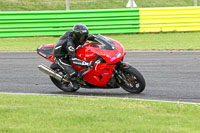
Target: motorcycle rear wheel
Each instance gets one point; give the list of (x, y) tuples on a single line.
[(135, 80), (62, 86)]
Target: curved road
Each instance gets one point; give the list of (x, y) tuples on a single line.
[(173, 76)]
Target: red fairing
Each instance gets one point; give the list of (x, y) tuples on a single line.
[(100, 74), (88, 53), (47, 51)]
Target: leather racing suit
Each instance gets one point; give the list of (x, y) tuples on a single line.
[(64, 54)]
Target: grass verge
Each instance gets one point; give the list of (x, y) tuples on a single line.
[(34, 5), (161, 41), (28, 113)]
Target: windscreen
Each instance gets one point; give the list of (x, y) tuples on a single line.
[(103, 43)]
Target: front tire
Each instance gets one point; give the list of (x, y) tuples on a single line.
[(135, 81), (62, 86)]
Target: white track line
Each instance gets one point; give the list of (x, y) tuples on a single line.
[(134, 51), (164, 101), (164, 51)]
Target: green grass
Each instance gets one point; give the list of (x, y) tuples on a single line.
[(30, 5), (162, 41), (165, 3), (46, 114)]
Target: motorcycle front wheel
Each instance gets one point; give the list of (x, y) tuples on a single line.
[(62, 86), (135, 82)]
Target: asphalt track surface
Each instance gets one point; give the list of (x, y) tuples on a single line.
[(171, 76)]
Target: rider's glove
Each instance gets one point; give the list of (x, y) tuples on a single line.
[(91, 64), (91, 37)]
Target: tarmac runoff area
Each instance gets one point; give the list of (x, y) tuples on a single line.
[(170, 76)]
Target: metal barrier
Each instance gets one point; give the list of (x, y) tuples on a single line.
[(53, 23), (169, 19)]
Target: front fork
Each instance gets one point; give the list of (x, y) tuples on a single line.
[(119, 74)]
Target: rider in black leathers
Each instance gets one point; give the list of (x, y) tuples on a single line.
[(64, 52)]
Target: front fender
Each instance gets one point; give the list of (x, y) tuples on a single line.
[(123, 65)]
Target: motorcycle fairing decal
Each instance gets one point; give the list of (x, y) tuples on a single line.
[(118, 55), (105, 73), (112, 59)]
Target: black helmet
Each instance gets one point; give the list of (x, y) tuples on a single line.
[(80, 33)]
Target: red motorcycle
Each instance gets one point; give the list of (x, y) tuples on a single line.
[(109, 70)]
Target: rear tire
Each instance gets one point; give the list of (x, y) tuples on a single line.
[(135, 80), (62, 86)]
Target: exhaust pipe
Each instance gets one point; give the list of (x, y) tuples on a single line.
[(51, 73)]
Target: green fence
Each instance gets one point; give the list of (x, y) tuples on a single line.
[(53, 23)]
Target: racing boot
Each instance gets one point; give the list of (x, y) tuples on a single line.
[(72, 82)]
